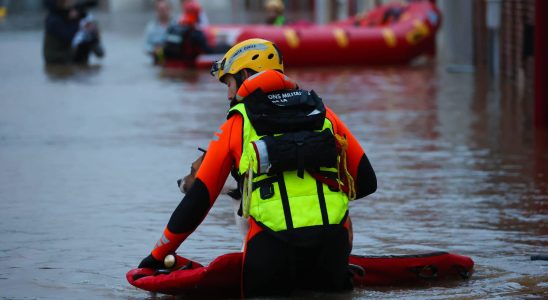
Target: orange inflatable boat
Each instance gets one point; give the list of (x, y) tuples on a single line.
[(389, 34)]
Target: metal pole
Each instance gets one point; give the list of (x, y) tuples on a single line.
[(457, 36), (342, 9), (493, 24)]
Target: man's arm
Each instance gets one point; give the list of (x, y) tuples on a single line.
[(358, 164), (200, 198)]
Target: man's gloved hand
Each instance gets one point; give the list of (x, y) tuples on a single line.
[(151, 262)]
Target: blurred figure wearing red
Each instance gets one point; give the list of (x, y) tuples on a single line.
[(192, 11), (186, 41)]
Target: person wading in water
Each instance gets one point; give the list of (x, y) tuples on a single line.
[(298, 165)]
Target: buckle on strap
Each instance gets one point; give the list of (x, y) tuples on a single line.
[(265, 182), (267, 191)]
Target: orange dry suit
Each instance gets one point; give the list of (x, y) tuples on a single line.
[(224, 153)]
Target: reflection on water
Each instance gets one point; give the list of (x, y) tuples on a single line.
[(90, 156), (71, 72)]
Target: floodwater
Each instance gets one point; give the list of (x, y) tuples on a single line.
[(90, 157)]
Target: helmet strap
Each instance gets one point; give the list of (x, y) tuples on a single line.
[(233, 102), (239, 79), (241, 74)]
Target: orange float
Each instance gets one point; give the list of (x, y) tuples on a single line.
[(222, 276)]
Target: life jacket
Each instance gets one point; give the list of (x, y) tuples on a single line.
[(184, 42), (286, 138)]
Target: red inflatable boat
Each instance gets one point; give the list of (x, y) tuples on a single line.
[(222, 276), (390, 34)]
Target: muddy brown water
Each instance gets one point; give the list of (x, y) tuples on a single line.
[(89, 158)]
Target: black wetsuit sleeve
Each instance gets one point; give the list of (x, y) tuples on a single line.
[(191, 210), (359, 166), (366, 180), (210, 179)]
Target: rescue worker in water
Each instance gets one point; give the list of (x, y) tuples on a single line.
[(298, 166)]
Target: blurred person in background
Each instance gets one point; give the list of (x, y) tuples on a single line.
[(156, 30), (188, 7), (275, 12), (185, 40), (3, 9), (71, 33), (384, 17)]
